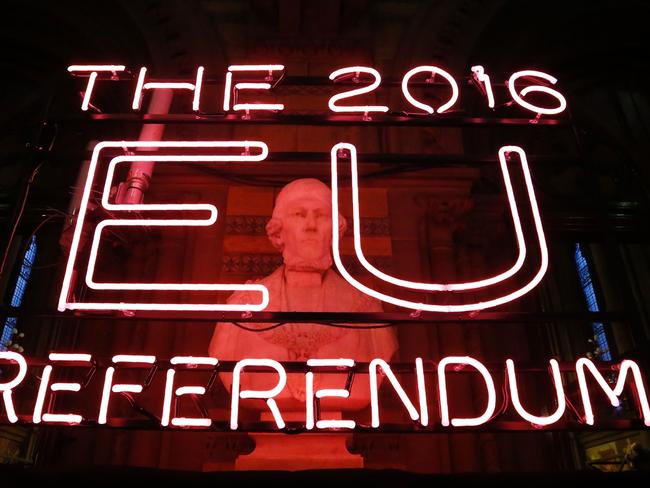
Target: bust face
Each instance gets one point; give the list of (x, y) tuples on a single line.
[(307, 234)]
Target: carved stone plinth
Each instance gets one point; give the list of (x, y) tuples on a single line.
[(298, 452)]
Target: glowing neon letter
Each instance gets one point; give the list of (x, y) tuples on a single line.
[(432, 70), (442, 385), (194, 87), (119, 388), (340, 393), (356, 71), (536, 88), (504, 153), (67, 418), (484, 84), (184, 390), (245, 146), (613, 394), (375, 364), (93, 69), (6, 388), (229, 91), (559, 393), (268, 394)]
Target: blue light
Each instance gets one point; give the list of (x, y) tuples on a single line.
[(19, 291), (592, 303)]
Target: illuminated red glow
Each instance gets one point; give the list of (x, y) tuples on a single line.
[(211, 211), (451, 365), (246, 146), (504, 153)]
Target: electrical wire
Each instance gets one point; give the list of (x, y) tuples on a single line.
[(21, 210), (326, 324)]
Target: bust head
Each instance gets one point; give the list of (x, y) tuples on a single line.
[(301, 225)]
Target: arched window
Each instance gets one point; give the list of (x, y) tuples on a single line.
[(19, 291), (592, 303)]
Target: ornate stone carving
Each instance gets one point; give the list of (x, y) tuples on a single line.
[(260, 264), (255, 225), (445, 210), (251, 264)]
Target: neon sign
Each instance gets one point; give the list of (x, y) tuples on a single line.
[(500, 386), (444, 370), (263, 75), (270, 75)]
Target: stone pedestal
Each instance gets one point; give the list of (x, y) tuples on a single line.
[(301, 451)]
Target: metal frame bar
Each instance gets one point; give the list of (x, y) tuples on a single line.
[(377, 318), (397, 119)]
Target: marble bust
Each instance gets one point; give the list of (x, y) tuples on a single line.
[(301, 229)]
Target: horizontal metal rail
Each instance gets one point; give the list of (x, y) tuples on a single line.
[(397, 119), (372, 318), (388, 428)]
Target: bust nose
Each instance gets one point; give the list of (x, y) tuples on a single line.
[(310, 221)]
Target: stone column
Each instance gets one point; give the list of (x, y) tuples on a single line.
[(445, 216), (484, 229)]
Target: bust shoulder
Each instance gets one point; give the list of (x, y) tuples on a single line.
[(272, 282), (348, 297)]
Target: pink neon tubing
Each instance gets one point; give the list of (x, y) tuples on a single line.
[(358, 91), (428, 286), (6, 388), (430, 69), (255, 106), (96, 67), (516, 401), (194, 87), (256, 67), (19, 359), (93, 69), (89, 90), (536, 88), (612, 393), (263, 86), (481, 77), (442, 392), (64, 304)]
